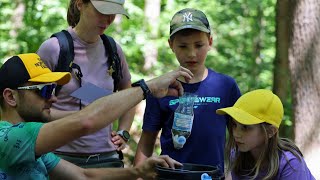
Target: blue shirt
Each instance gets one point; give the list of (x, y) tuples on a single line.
[(207, 140)]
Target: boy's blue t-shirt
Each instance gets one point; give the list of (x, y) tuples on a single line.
[(17, 152), (207, 140)]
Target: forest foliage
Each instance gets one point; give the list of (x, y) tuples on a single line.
[(243, 33)]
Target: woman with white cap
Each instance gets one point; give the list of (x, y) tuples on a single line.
[(88, 19)]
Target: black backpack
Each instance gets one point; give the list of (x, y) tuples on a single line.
[(66, 56)]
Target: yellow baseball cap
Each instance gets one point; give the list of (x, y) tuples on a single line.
[(28, 68), (256, 107)]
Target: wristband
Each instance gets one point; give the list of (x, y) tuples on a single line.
[(144, 87)]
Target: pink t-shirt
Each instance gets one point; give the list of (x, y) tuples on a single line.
[(93, 62)]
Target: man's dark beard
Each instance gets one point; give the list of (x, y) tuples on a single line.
[(29, 116), (32, 118)]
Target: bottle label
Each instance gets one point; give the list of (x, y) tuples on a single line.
[(182, 122)]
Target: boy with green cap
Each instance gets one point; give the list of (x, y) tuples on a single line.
[(190, 40)]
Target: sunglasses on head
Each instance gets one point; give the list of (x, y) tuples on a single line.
[(45, 90)]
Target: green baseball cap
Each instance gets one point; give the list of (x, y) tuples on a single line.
[(189, 19)]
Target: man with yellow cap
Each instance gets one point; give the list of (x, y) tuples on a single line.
[(26, 95)]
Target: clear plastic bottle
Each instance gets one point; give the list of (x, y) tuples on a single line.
[(183, 120)]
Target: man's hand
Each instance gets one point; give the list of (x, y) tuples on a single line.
[(168, 84), (147, 169)]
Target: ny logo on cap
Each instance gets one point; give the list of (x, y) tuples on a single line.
[(187, 17)]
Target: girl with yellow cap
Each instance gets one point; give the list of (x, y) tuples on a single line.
[(254, 149)]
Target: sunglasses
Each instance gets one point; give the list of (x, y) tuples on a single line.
[(44, 90)]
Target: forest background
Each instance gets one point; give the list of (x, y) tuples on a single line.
[(270, 44)]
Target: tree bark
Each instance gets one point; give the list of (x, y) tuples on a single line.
[(304, 64), (17, 21), (152, 12), (281, 76)]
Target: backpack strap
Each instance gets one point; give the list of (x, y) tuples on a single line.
[(66, 54), (114, 62), (66, 57)]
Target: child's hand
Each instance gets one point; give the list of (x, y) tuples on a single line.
[(118, 141)]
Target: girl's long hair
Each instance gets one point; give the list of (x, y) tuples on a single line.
[(73, 15), (243, 164)]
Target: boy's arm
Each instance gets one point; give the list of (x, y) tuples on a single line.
[(145, 147)]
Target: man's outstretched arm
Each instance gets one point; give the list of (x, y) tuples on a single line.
[(104, 111)]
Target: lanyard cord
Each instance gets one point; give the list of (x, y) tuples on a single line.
[(79, 75)]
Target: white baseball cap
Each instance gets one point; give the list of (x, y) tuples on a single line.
[(110, 6)]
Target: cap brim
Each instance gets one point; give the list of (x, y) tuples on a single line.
[(109, 8), (239, 115), (203, 29), (60, 78)]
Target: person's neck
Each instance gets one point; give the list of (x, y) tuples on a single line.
[(84, 34), (11, 117), (256, 152)]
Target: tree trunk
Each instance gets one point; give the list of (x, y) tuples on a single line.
[(304, 63), (17, 21), (17, 18), (257, 46), (281, 76), (152, 12)]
